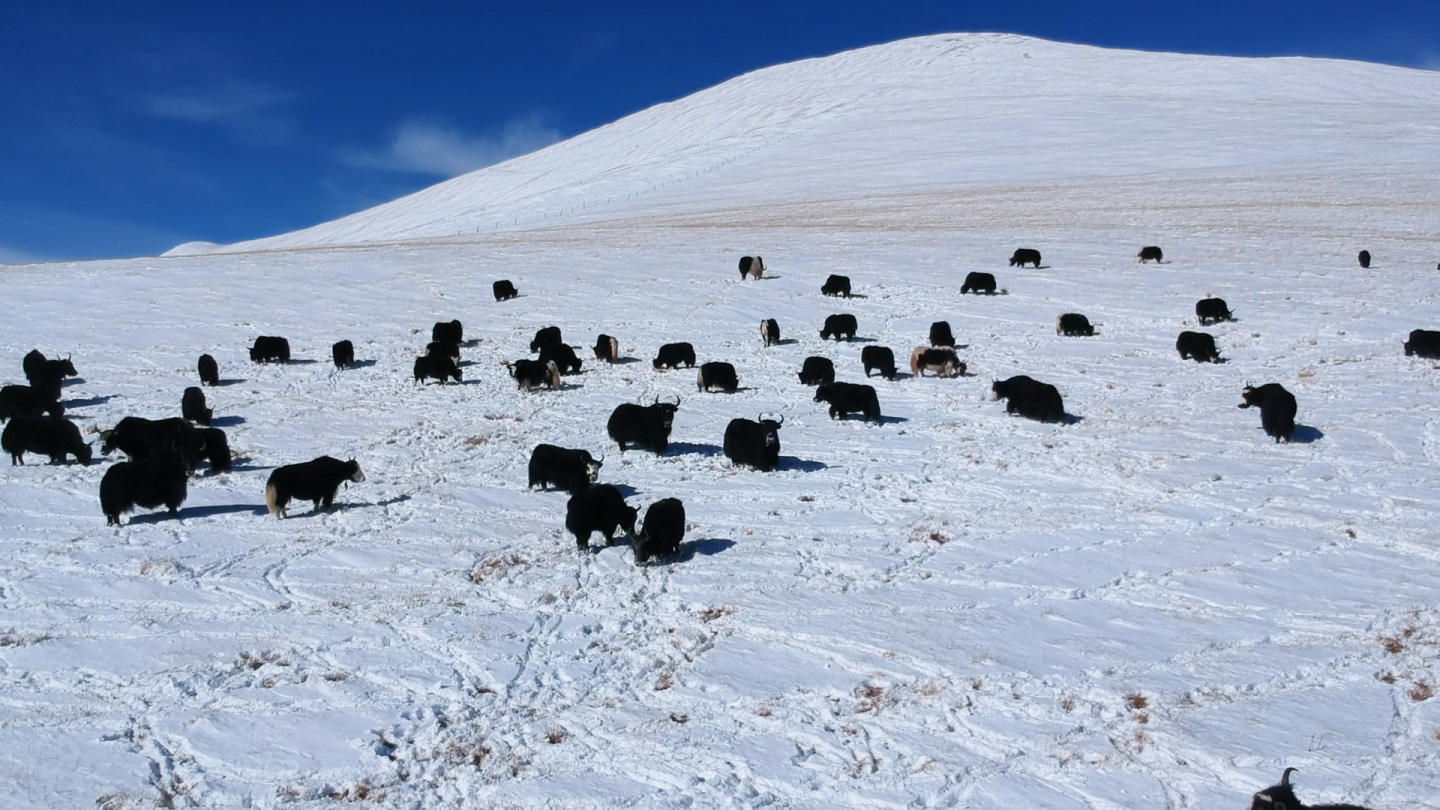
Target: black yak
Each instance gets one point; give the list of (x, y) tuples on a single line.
[(531, 374), (1212, 310), (562, 355), (544, 337), (847, 398), (159, 480), (55, 438), (818, 370), (1150, 253), (598, 509), (647, 426), (836, 285), (270, 349), (316, 481), (563, 468), (840, 325), (1030, 398), (141, 438), (448, 332), (978, 283), (343, 353), (436, 366), (940, 334), (1073, 324), (754, 443), (1424, 342), (662, 531), (22, 400), (717, 375), (216, 448), (1365, 259), (752, 266), (876, 358), (1277, 409), (192, 407), (504, 290), (1024, 256), (209, 370), (1282, 797), (1197, 345), (674, 355)]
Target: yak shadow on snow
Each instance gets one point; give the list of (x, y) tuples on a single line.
[(626, 491), (87, 402), (361, 364), (786, 342), (801, 465), (340, 506), (686, 448), (227, 421), (1304, 434), (625, 361), (707, 547), (222, 383), (196, 512)]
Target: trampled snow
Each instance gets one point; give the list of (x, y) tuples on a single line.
[(1151, 606)]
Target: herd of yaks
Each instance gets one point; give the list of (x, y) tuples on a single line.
[(164, 452)]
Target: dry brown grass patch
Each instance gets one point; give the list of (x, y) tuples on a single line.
[(1421, 691), (1392, 645), (665, 681), (1135, 700), (555, 736), (710, 614)]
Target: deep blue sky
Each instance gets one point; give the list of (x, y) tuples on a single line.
[(129, 127)]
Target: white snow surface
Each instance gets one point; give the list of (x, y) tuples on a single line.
[(1151, 606)]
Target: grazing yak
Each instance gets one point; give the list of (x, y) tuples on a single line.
[(436, 366), (662, 531), (22, 400), (443, 348), (717, 375), (217, 449), (1030, 398), (941, 361), (562, 355), (940, 334), (192, 407), (598, 509), (752, 266), (1197, 345), (876, 358), (1282, 797), (1365, 259), (1024, 256), (1073, 324), (209, 370), (847, 398), (674, 355), (316, 480), (607, 348), (838, 325), (979, 283), (769, 332), (452, 332), (1150, 253), (1277, 409), (343, 353), (270, 349), (55, 438), (819, 370), (504, 290), (140, 438), (754, 443), (531, 374), (544, 337), (1212, 310), (646, 426), (562, 468), (159, 480), (836, 285), (1424, 342)]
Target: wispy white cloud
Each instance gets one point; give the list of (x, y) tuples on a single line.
[(426, 148), (251, 110)]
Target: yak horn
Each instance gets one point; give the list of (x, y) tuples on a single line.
[(1285, 777)]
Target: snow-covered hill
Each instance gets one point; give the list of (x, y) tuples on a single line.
[(1152, 606)]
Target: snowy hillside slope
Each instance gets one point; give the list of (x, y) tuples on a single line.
[(1151, 606), (953, 114)]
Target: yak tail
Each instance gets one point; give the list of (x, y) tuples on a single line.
[(271, 498), (915, 361)]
